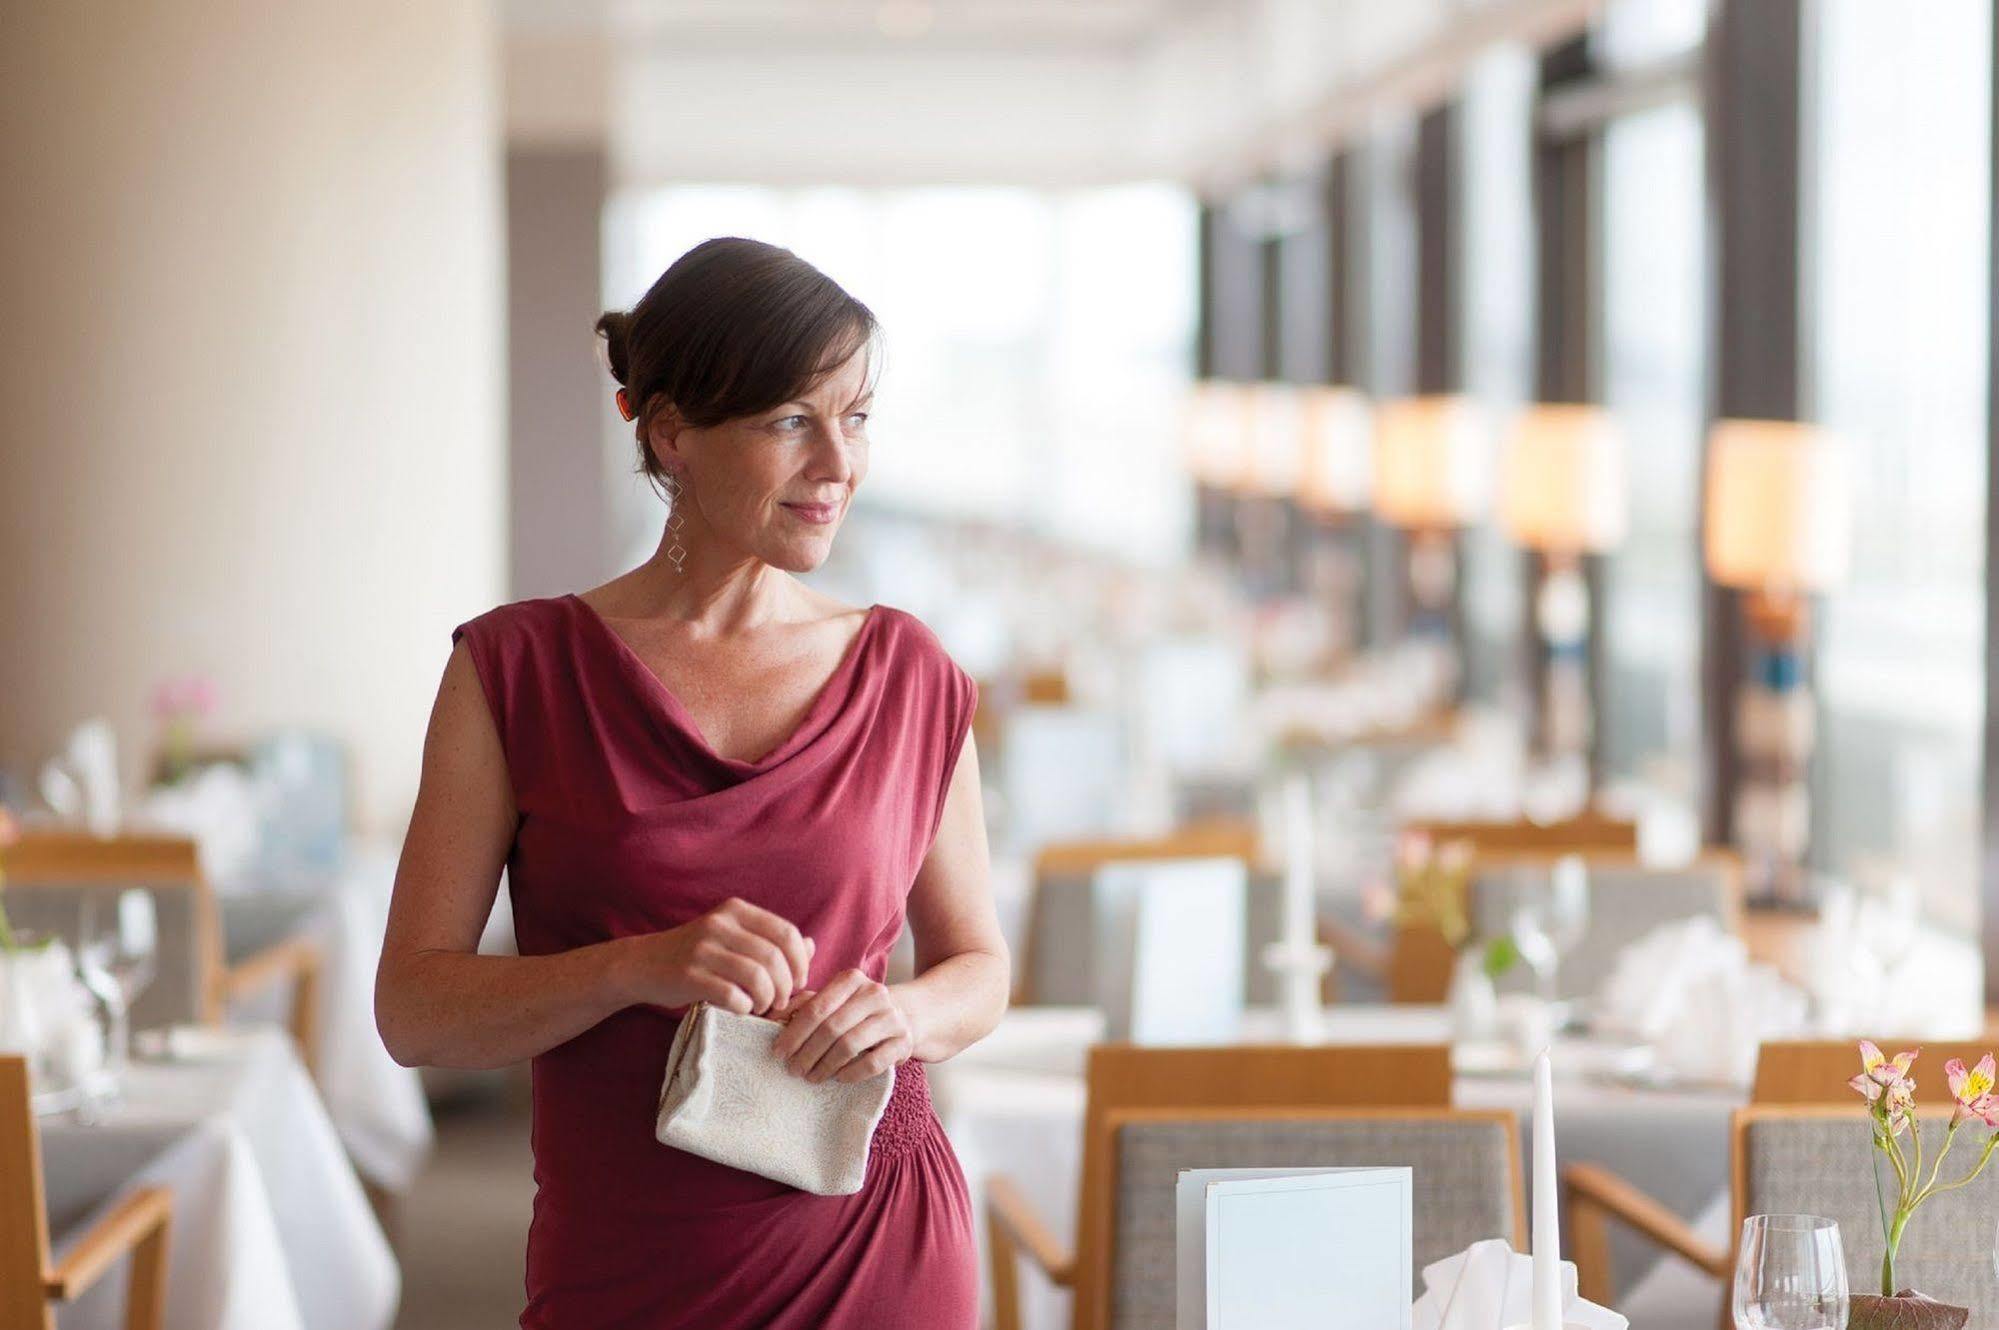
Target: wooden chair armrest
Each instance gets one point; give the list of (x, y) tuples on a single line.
[(139, 1217), (298, 961), (1012, 1228), (1010, 1214), (1596, 1195)]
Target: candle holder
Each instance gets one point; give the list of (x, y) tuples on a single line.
[(1301, 971)]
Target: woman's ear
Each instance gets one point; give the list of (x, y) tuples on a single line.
[(663, 429)]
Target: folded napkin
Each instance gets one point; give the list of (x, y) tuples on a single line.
[(1689, 989), (727, 1097), (1489, 1286), (1871, 964)]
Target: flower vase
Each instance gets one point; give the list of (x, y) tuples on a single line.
[(1905, 1311), (1474, 1002)]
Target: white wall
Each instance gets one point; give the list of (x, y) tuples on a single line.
[(250, 356)]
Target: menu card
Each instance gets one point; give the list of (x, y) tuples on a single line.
[(1293, 1248)]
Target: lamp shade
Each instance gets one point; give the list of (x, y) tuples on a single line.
[(1338, 427), (1276, 436), (1429, 462), (1217, 429), (1779, 506), (1562, 485)]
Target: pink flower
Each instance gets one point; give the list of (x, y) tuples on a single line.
[(1867, 1086), (1886, 1071), (1901, 1102), (192, 695), (1973, 1090)]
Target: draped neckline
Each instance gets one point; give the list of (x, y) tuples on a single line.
[(648, 685)]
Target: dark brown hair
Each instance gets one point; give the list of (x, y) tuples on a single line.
[(734, 327)]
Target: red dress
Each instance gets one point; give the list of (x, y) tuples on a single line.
[(629, 823)]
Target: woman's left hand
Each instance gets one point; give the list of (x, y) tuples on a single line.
[(851, 1030)]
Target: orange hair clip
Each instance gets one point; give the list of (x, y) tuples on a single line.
[(625, 406)]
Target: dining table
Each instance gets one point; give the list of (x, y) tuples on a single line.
[(1014, 1103), (376, 1104), (270, 1228)]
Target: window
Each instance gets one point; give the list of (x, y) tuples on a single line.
[(1037, 342), (1654, 335), (1898, 169)]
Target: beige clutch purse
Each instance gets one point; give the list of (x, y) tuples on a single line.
[(728, 1098)]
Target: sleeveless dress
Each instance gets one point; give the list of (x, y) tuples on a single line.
[(630, 823)]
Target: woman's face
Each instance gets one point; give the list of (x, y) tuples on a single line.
[(775, 485)]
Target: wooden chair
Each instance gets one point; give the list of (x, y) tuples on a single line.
[(48, 872), (1465, 1162), (1057, 953), (32, 1282), (1818, 1160), (1790, 1074), (1420, 961), (1123, 1078)]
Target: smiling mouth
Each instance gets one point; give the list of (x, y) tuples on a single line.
[(819, 514)]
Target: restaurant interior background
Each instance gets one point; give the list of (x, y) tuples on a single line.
[(1440, 416)]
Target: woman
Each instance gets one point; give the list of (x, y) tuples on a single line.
[(709, 782)]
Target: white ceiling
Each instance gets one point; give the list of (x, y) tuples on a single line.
[(1039, 92), (1053, 26)]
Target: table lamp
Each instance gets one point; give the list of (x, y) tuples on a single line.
[(1562, 497), (1778, 528), (1337, 429), (1216, 449), (1429, 479)]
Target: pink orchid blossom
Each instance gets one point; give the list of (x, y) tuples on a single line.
[(1885, 1070), (1973, 1090)]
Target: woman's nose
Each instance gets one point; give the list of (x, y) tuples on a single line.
[(829, 455)]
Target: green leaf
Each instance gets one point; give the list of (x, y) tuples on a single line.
[(1501, 955)]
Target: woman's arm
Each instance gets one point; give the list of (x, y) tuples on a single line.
[(855, 1028), (439, 1003)]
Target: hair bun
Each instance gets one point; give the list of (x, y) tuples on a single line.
[(614, 326)]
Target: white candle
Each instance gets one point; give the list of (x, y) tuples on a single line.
[(1547, 1225), (1298, 930)]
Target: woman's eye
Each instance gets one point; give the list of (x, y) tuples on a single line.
[(857, 419), (791, 422)]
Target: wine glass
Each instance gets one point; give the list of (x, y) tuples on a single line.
[(1550, 917), (1790, 1274), (118, 959)]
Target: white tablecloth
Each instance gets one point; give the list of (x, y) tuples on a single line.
[(270, 1231), (377, 1105), (1014, 1103)]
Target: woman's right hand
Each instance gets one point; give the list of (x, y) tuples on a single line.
[(738, 956)]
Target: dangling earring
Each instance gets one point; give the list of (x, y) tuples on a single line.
[(676, 553)]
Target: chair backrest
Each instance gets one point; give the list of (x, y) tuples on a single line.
[(1170, 949), (1420, 961), (1465, 1180), (52, 874), (24, 1229), (1058, 964), (1123, 1077), (1816, 1071), (1627, 900), (1821, 1161), (1582, 834)]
